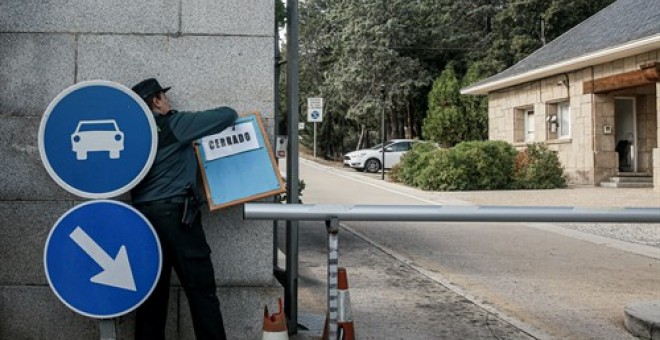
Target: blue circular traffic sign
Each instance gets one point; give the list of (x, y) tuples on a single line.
[(102, 259), (97, 139)]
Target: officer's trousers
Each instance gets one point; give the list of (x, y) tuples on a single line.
[(185, 250)]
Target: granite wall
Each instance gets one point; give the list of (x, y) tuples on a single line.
[(212, 52)]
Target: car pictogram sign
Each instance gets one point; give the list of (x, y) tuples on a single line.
[(97, 139)]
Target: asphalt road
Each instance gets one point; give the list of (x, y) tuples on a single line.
[(512, 280)]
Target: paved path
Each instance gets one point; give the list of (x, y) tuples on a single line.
[(541, 281)]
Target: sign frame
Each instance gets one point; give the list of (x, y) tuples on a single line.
[(213, 171)]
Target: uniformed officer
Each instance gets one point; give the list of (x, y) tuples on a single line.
[(167, 190)]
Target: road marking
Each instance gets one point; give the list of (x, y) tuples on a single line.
[(378, 185)]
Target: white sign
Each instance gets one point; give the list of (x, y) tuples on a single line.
[(231, 141), (314, 109)]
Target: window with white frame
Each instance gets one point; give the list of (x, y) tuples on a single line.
[(564, 120), (559, 120), (523, 125), (529, 125)]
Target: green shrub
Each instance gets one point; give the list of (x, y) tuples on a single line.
[(412, 162), (444, 172), (488, 164), (480, 165), (538, 167)]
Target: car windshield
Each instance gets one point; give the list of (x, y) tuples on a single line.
[(378, 146), (96, 127)]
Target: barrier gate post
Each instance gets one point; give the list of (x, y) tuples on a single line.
[(332, 226)]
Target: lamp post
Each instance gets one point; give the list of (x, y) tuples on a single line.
[(382, 132), (291, 287)]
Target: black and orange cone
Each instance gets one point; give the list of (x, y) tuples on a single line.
[(345, 327)]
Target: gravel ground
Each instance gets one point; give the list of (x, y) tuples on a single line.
[(645, 234), (583, 196)]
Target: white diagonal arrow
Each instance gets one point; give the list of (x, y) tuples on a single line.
[(116, 273)]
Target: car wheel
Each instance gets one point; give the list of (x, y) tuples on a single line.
[(81, 156), (372, 165), (114, 154)]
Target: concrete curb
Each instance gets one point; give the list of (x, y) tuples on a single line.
[(642, 319)]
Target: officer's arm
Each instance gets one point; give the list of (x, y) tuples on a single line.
[(188, 126)]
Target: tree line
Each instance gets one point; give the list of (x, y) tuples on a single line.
[(406, 60)]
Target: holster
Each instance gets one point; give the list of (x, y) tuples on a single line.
[(191, 208)]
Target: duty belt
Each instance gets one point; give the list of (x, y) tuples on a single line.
[(175, 199)]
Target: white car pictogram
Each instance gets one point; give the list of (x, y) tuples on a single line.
[(97, 135)]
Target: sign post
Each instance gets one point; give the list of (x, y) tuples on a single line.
[(315, 114)]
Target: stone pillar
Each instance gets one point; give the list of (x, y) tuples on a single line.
[(656, 151), (656, 169), (212, 52), (605, 158)]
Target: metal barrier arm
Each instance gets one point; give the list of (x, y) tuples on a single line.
[(447, 213), (332, 214)]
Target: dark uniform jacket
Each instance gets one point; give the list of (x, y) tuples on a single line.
[(175, 166)]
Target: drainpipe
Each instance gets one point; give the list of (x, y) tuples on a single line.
[(593, 125)]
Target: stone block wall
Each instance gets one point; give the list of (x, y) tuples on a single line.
[(588, 156), (505, 120), (212, 52), (656, 151)]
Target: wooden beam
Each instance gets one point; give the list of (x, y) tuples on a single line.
[(648, 74)]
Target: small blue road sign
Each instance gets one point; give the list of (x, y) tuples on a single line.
[(315, 110), (102, 259), (97, 139)]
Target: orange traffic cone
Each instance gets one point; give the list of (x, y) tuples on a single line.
[(275, 325), (345, 329)]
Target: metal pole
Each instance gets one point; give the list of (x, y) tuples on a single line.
[(276, 111), (291, 287), (314, 140), (448, 213), (382, 132), (332, 227), (107, 329)]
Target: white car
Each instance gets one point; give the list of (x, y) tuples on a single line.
[(97, 135), (370, 159)]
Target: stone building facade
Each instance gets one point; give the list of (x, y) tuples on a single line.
[(212, 53), (592, 94), (526, 113)]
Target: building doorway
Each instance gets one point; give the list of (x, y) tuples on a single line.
[(625, 133)]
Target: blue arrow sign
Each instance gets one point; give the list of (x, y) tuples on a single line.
[(97, 139), (102, 259)]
